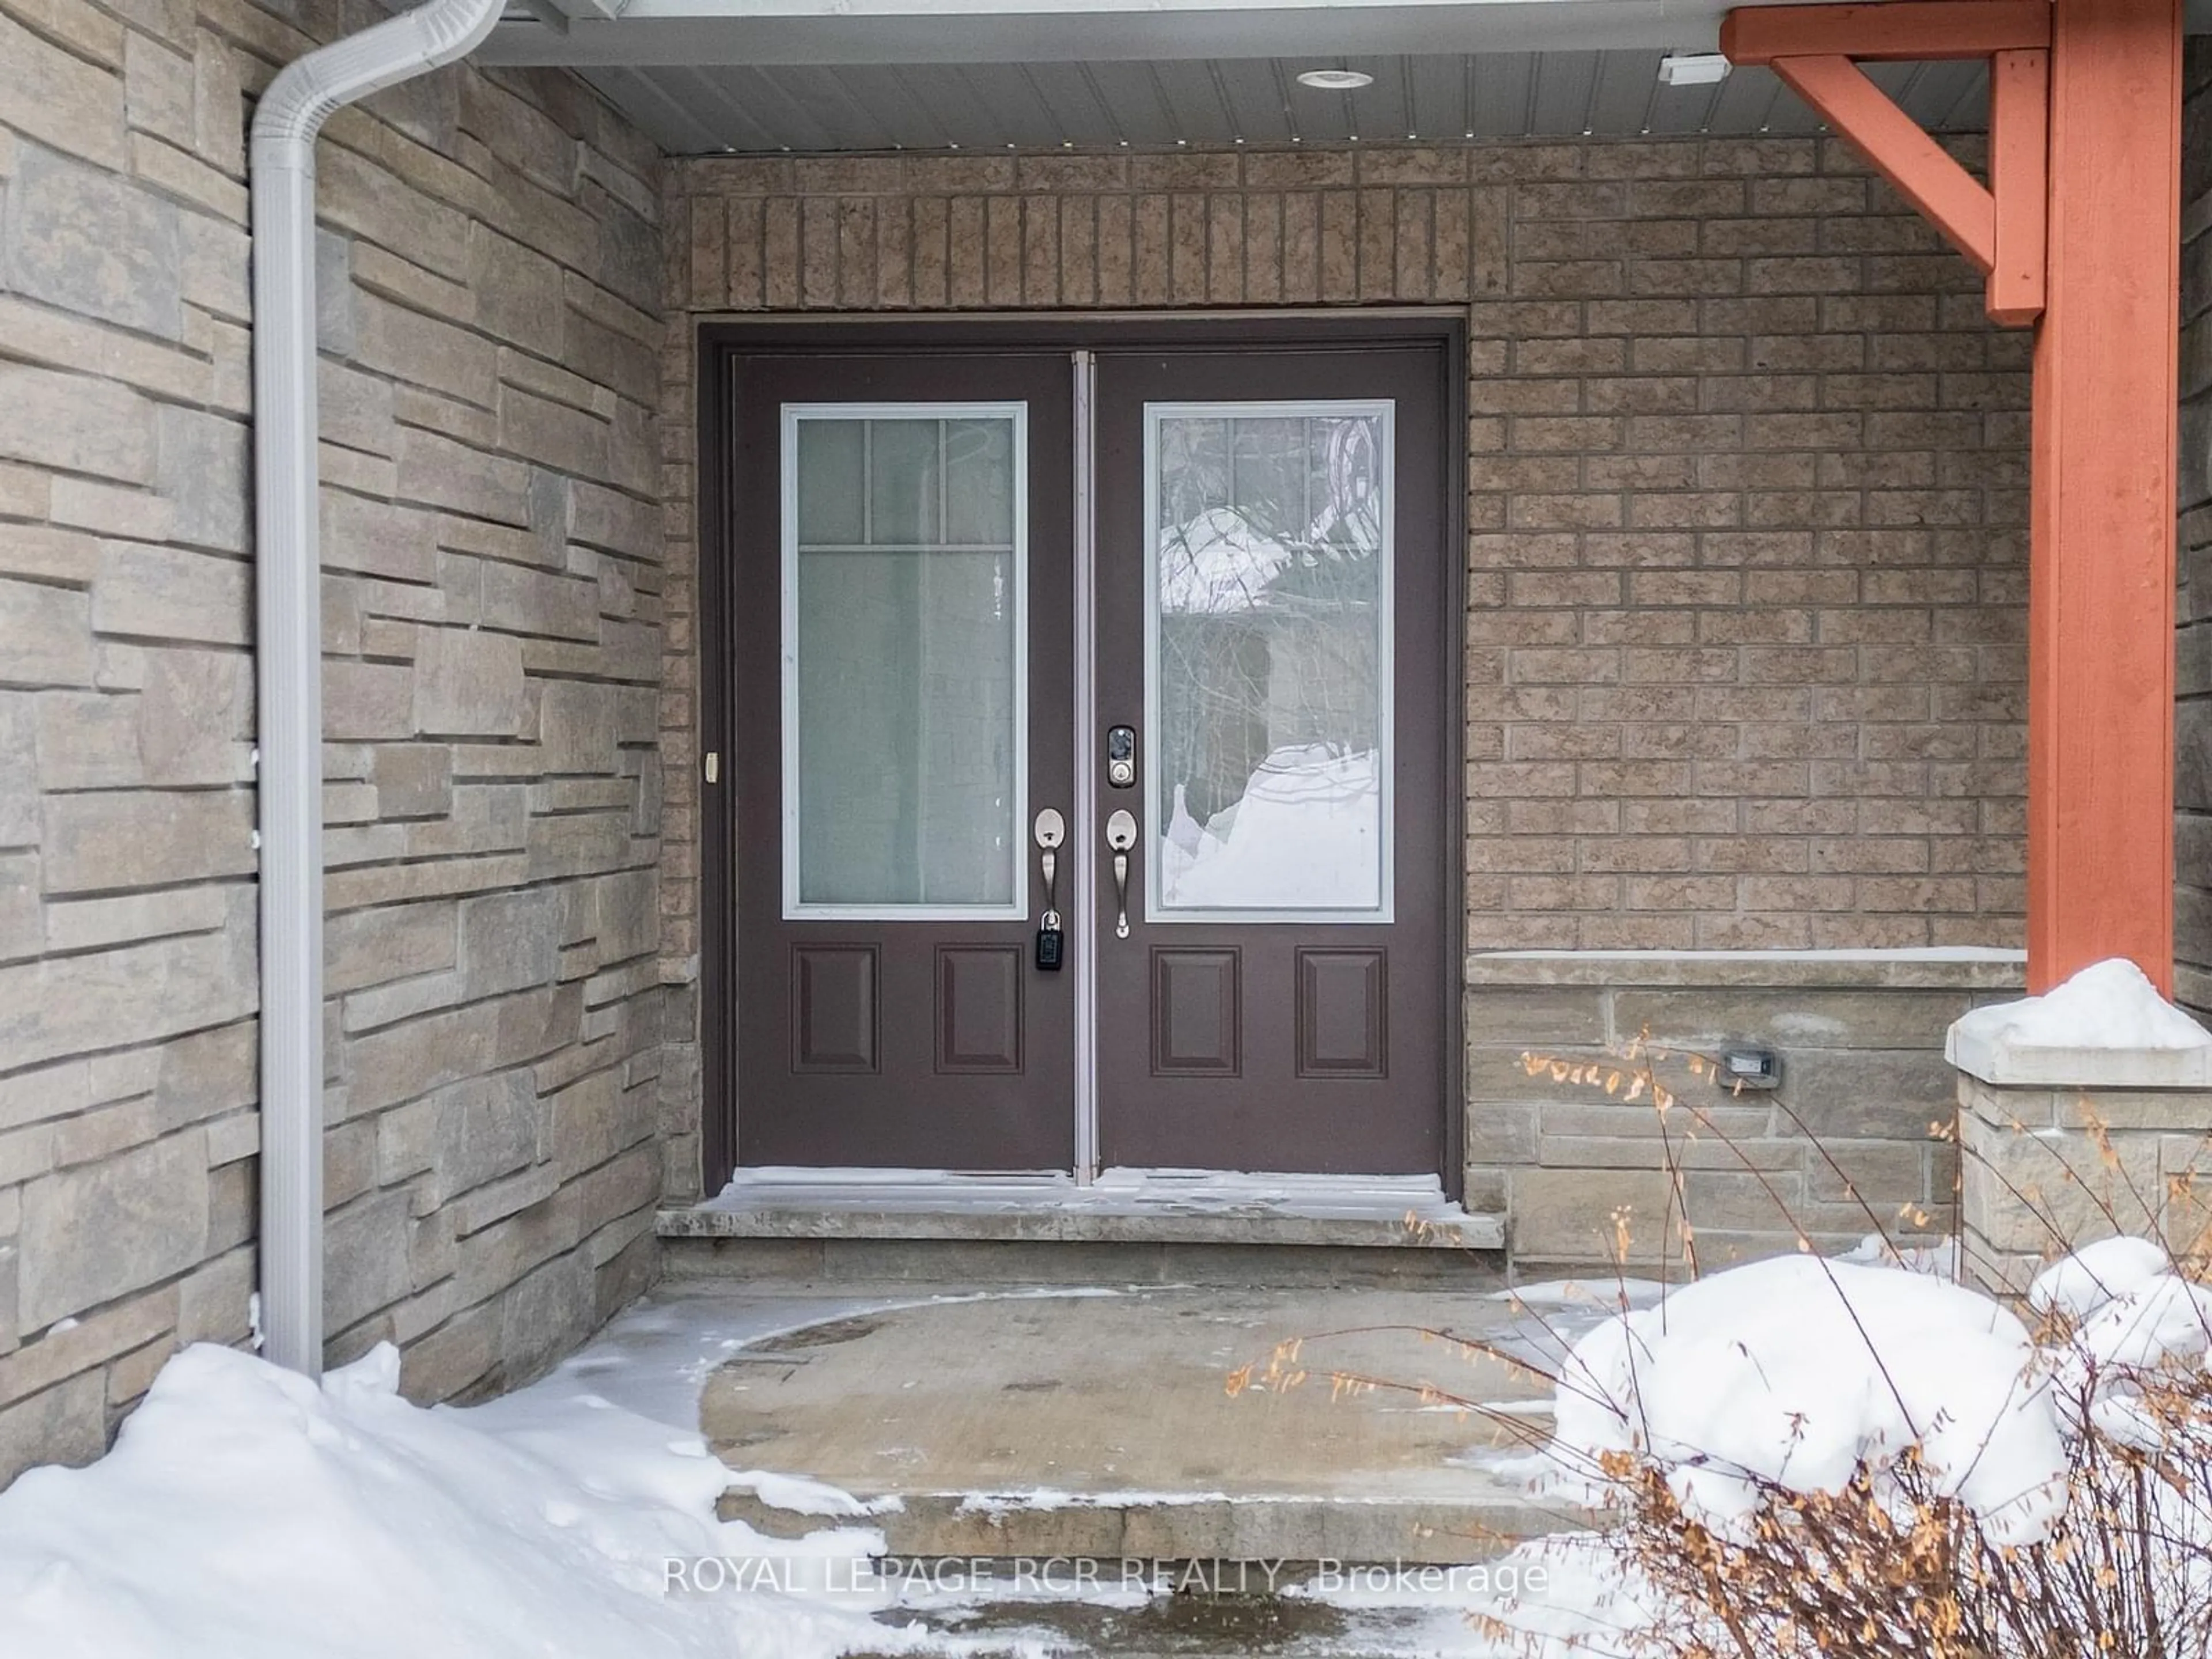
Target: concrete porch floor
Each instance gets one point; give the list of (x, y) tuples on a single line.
[(1100, 1423)]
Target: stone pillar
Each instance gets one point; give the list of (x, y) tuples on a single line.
[(2060, 1145)]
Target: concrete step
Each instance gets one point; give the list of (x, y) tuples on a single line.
[(1204, 1626), (1130, 1227), (1139, 1533), (1161, 1206), (925, 1261), (1116, 1425)]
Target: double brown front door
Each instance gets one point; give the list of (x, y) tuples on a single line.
[(1169, 624)]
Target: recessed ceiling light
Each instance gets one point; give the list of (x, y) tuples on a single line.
[(1336, 80)]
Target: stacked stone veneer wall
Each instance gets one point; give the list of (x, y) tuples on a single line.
[(2193, 683), (491, 336), (1747, 491), (1583, 1171)]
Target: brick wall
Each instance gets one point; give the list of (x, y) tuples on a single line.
[(2192, 826), (1747, 474), (490, 377)]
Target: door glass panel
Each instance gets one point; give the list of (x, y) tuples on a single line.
[(1268, 660), (905, 661)]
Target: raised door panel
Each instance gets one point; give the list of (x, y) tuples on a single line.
[(834, 1011), (1343, 1013), (1196, 1019), (979, 1008)]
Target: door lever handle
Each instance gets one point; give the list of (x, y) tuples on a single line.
[(1122, 835)]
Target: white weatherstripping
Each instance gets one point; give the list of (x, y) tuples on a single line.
[(1088, 826), (287, 632), (795, 907)]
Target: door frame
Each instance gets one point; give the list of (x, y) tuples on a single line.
[(718, 347)]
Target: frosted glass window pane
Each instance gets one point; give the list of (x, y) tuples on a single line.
[(828, 463), (906, 697), (1269, 659), (978, 482), (904, 483)]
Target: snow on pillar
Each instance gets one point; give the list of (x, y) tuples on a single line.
[(2082, 1114)]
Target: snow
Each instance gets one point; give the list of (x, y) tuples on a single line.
[(1938, 1257), (1306, 835), (1799, 1371), (2086, 1280), (1583, 1293), (797, 1495), (2108, 1005), (246, 1513)]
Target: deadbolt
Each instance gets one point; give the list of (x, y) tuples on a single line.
[(1122, 757)]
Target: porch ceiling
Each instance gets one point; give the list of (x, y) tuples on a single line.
[(1160, 104), (706, 76)]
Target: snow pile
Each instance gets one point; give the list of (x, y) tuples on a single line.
[(247, 1513), (1799, 1371), (2097, 1274), (2123, 1312), (1940, 1257), (1307, 834), (2109, 1005)]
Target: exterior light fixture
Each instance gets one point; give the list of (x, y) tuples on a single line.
[(1336, 80), (1693, 68)]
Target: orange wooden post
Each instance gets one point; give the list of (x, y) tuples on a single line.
[(2101, 580), (2079, 226)]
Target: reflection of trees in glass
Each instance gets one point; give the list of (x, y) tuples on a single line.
[(1270, 537)]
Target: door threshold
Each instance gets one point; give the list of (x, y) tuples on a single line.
[(1122, 1206)]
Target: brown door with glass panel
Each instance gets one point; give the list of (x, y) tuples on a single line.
[(1273, 605), (899, 568)]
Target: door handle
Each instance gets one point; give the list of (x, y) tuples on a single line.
[(1051, 832), (1122, 835)]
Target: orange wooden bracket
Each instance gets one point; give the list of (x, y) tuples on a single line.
[(2002, 226)]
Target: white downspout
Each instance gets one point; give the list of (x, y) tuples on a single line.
[(287, 635)]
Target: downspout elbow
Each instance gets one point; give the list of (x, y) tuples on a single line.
[(313, 88)]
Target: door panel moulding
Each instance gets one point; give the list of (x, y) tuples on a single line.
[(2003, 227)]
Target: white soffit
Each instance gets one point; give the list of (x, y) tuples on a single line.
[(708, 77), (770, 31), (1161, 105)]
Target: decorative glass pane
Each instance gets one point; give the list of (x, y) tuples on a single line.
[(904, 677), (1268, 657)]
